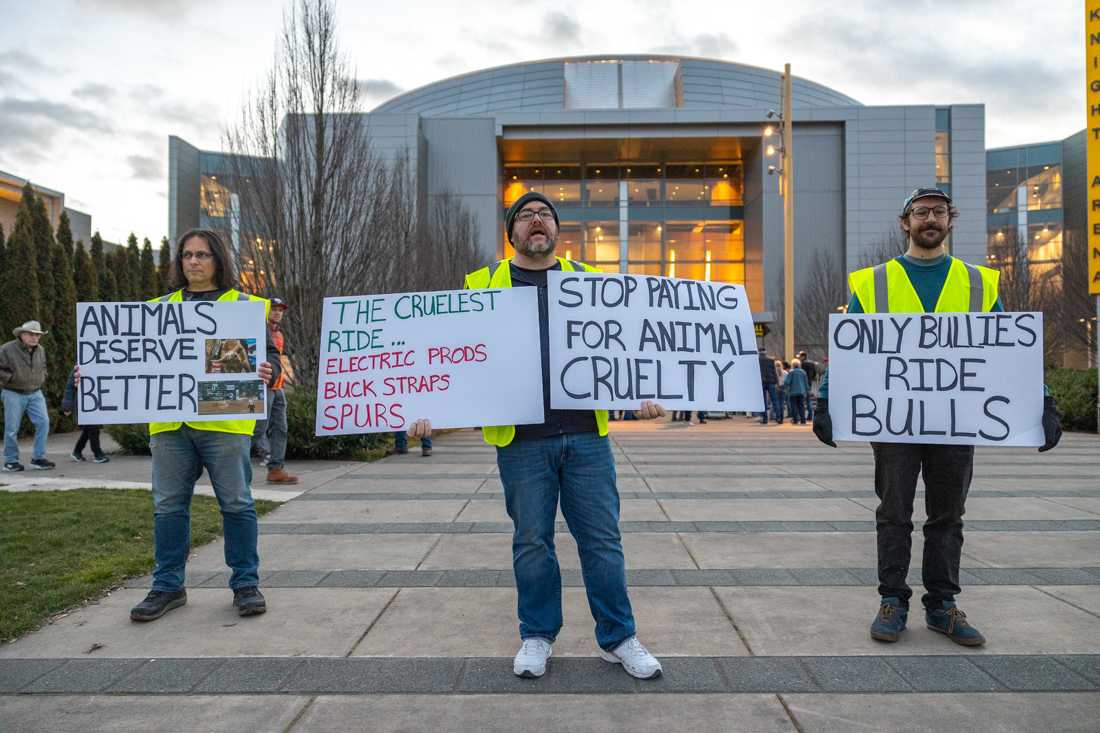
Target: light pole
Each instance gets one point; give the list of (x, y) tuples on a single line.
[(785, 170)]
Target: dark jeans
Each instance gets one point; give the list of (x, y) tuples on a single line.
[(269, 436), (578, 470), (772, 392), (798, 408), (88, 434), (401, 441), (947, 470)]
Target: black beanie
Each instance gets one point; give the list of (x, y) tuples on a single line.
[(523, 201)]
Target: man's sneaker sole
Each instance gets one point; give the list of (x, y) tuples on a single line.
[(612, 659), (168, 607), (35, 467), (880, 636), (960, 642), (528, 674)]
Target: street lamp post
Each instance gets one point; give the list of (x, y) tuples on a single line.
[(785, 170)]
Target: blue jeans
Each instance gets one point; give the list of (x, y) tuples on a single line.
[(401, 441), (772, 392), (34, 404), (179, 457), (269, 436), (578, 469)]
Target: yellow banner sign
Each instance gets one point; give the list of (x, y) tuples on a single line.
[(1092, 105)]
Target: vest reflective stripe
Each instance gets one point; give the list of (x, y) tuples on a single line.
[(501, 277), (967, 288), (237, 427)]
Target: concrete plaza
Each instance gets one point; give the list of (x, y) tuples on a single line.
[(750, 553)]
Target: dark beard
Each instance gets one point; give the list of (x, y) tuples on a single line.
[(920, 241), (526, 248)]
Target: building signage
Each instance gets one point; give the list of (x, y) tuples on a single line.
[(1092, 103)]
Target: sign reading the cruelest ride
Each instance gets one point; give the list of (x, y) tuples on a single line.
[(955, 378), (460, 358), (170, 362), (619, 340)]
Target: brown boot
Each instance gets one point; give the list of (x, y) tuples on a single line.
[(425, 451), (280, 476)]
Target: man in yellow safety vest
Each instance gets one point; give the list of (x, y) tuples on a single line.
[(566, 458), (923, 280)]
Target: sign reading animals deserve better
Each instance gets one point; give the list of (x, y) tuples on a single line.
[(460, 358), (170, 362), (619, 340), (948, 378)]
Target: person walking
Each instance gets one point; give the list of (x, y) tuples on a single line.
[(567, 459), (269, 438), (89, 434), (781, 388), (768, 379), (202, 269), (923, 280), (813, 372), (22, 374), (797, 386)]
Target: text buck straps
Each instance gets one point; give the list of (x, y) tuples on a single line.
[(962, 378)]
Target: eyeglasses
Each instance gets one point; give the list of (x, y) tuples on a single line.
[(201, 256), (922, 212), (529, 214)]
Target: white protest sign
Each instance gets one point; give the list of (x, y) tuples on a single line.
[(460, 358), (170, 362), (947, 378), (618, 340)]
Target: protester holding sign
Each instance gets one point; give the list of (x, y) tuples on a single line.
[(568, 457), (923, 280), (203, 271)]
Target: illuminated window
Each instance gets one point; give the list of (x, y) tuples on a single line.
[(213, 197), (943, 157)]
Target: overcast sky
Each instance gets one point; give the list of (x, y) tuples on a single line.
[(90, 90)]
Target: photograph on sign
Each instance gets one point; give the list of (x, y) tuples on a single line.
[(944, 378), (619, 340), (460, 358), (170, 361)]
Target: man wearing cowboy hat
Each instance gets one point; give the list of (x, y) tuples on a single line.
[(22, 374)]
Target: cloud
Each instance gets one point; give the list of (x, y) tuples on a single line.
[(377, 89), (167, 10), (16, 61), (29, 127), (145, 167), (709, 45), (94, 92), (560, 28)]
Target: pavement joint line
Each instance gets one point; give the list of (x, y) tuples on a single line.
[(790, 713), (696, 577), (333, 675), (697, 495), (1067, 602), (371, 625), (1068, 506), (690, 527)]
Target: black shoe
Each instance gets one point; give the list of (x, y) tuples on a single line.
[(425, 451), (249, 601), (158, 603), (102, 459), (42, 464), (13, 467)]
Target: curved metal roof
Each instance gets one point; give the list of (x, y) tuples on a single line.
[(539, 86)]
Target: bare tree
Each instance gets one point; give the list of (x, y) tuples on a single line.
[(1069, 307), (886, 247), (318, 212), (824, 292)]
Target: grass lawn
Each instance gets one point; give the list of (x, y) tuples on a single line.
[(59, 549)]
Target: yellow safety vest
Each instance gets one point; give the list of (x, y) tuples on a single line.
[(968, 288), (501, 277), (237, 427)]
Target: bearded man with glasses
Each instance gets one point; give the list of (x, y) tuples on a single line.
[(923, 280), (566, 458)]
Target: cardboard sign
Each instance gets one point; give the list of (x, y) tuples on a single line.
[(619, 340), (460, 358), (947, 378), (170, 362)]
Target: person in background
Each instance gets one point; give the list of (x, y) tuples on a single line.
[(768, 380), (401, 444), (797, 385), (781, 368), (812, 373), (89, 434), (269, 437), (22, 374)]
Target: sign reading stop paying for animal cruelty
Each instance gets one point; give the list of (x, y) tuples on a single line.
[(955, 378), (170, 362), (619, 340), (460, 358)]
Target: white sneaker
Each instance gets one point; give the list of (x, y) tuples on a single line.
[(531, 658), (635, 658)]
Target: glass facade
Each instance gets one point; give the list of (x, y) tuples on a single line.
[(1024, 203), (678, 219)]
